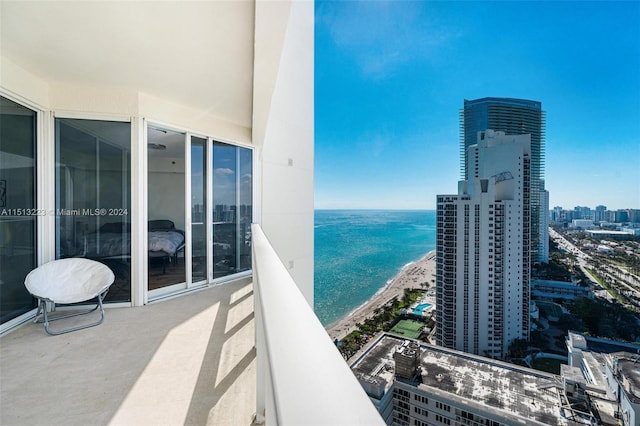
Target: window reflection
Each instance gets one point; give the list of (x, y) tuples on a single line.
[(232, 206), (17, 205), (198, 209), (93, 183)]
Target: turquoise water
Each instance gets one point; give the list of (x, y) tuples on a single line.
[(418, 310), (358, 251)]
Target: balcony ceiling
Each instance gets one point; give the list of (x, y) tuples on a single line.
[(198, 54)]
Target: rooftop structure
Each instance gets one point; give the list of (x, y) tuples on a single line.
[(607, 374), (453, 385)]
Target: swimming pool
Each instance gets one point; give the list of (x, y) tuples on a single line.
[(419, 310)]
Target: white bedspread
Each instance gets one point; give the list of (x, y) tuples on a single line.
[(167, 242)]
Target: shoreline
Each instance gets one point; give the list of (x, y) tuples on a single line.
[(412, 275)]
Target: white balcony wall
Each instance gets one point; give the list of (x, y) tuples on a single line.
[(283, 129), (301, 377)]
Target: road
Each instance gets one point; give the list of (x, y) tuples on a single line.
[(624, 282)]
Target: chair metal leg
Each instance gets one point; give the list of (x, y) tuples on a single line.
[(47, 320)]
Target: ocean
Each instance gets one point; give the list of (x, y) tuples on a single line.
[(358, 251)]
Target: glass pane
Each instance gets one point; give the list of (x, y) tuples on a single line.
[(198, 209), (93, 198), (232, 211), (246, 207), (17, 203), (225, 191), (166, 182)]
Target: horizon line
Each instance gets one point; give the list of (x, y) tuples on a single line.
[(376, 209)]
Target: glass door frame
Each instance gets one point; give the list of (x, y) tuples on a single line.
[(188, 284), (171, 289), (237, 203), (208, 179), (49, 185), (40, 196)]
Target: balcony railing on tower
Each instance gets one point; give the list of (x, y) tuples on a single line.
[(302, 378)]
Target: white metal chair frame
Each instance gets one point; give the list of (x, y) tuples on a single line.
[(42, 310)]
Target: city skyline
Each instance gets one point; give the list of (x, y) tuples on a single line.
[(391, 78)]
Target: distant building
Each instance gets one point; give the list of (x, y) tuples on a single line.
[(633, 215), (513, 117), (543, 251), (582, 223), (599, 214), (621, 216), (603, 233), (557, 214), (582, 213), (631, 230), (483, 260), (455, 388), (604, 249), (551, 290)]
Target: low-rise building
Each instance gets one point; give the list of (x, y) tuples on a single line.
[(449, 387), (582, 223), (602, 233), (550, 290), (415, 384), (608, 374)]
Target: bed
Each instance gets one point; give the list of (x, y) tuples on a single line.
[(165, 241), (113, 240)]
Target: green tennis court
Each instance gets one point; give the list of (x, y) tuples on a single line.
[(407, 328)]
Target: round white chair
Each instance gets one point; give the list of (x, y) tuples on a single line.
[(67, 281)]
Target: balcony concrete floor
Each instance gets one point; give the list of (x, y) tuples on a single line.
[(188, 360)]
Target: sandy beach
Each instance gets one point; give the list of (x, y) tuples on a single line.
[(411, 276)]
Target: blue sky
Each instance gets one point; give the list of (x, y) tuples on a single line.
[(391, 77)]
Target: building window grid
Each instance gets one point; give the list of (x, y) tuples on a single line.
[(442, 419), (466, 279)]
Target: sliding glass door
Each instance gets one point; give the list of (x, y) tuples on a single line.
[(93, 181), (18, 211), (205, 179), (232, 209), (189, 177), (166, 208)]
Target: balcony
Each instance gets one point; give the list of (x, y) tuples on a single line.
[(189, 360), (205, 358)]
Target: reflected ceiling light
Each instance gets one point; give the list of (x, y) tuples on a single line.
[(157, 146)]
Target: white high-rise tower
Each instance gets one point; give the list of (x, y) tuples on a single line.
[(514, 117), (483, 249)]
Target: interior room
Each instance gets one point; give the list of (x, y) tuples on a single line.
[(92, 191)]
